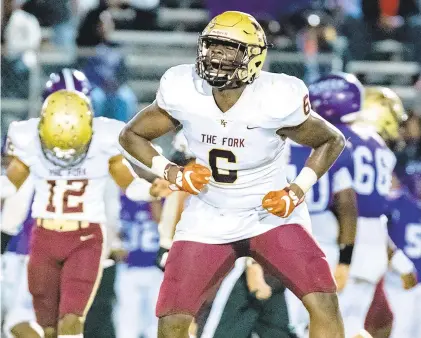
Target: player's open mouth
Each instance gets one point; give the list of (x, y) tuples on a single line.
[(221, 65)]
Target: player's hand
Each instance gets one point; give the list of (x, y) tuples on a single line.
[(119, 255), (161, 258), (282, 202), (341, 275), (160, 188), (409, 280), (192, 178), (256, 282)]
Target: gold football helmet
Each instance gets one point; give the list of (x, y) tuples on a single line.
[(231, 50), (65, 127), (383, 108)]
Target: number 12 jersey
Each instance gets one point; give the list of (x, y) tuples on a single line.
[(73, 193)]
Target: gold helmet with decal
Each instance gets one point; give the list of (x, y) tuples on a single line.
[(383, 108), (231, 50), (65, 127)]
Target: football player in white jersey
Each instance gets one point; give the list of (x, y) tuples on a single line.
[(236, 119), (70, 156), (255, 299)]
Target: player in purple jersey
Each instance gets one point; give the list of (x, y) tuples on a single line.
[(339, 99), (333, 211), (405, 231), (405, 224), (138, 280)]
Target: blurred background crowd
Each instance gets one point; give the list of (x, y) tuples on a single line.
[(124, 47)]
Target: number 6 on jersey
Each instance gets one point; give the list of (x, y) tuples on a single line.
[(221, 175)]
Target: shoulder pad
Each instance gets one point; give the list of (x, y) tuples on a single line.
[(22, 137), (288, 97), (174, 80), (106, 134)]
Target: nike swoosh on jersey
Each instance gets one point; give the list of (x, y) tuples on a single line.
[(85, 238), (251, 127)]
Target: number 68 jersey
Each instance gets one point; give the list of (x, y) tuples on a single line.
[(241, 146), (373, 166), (73, 193)]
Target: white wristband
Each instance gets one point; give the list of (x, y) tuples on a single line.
[(159, 164), (401, 264), (306, 179)]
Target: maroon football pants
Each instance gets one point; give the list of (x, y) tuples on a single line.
[(64, 271), (194, 270), (380, 314)]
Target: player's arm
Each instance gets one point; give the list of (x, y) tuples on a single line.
[(135, 188), (345, 204), (402, 265), (327, 143), (171, 214), (135, 140), (256, 282), (16, 174), (346, 211)]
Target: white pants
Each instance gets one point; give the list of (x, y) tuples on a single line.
[(369, 259), (369, 263), (19, 306), (406, 307), (137, 292), (325, 229), (354, 302)]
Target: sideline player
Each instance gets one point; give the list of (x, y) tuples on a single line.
[(236, 119), (339, 98), (70, 156)]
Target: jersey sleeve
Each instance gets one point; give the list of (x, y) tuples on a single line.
[(114, 131), (106, 134), (19, 141), (343, 171), (292, 103), (167, 96)]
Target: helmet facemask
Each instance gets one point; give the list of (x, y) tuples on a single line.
[(224, 62), (65, 157)]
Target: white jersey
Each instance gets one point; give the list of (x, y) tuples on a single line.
[(74, 193), (241, 146)]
